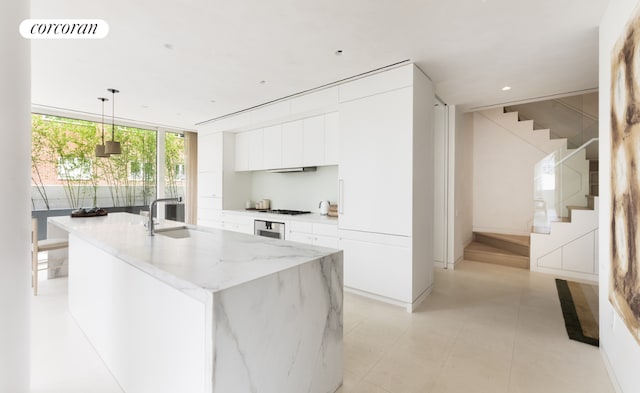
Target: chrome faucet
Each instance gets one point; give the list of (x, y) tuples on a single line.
[(152, 207)]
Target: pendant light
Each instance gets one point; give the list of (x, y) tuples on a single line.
[(100, 148), (113, 147)]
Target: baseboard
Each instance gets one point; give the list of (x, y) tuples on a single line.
[(457, 261), (410, 307), (451, 266), (577, 276), (416, 303), (610, 371)]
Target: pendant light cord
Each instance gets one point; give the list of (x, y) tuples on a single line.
[(113, 113), (103, 100)]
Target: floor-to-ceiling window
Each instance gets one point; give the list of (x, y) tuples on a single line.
[(174, 174), (66, 174)]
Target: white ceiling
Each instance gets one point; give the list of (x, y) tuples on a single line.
[(222, 49)]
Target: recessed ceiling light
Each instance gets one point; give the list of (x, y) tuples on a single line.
[(506, 88), (168, 46), (338, 52), (262, 82)]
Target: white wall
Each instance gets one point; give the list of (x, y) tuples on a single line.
[(503, 178), (15, 230), (440, 136), (296, 191), (462, 126), (617, 345), (422, 228)]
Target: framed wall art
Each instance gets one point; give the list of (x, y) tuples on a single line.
[(624, 286)]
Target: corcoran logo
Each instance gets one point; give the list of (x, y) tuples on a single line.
[(64, 29)]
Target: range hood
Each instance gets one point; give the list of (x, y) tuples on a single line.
[(297, 169)]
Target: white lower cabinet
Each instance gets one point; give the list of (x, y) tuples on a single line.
[(299, 237), (377, 264), (324, 235), (237, 223), (325, 241), (209, 214)]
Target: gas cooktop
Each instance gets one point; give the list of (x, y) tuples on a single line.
[(283, 211)]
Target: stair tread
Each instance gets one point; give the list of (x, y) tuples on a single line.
[(481, 247), (484, 253), (516, 239), (579, 208)]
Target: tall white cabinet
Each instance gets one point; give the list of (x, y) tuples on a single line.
[(385, 185), (375, 170), (219, 185)]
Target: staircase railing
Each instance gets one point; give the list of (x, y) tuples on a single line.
[(561, 181)]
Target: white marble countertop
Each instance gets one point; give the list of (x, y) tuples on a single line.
[(208, 261), (309, 217)]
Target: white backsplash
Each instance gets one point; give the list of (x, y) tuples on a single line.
[(298, 190)]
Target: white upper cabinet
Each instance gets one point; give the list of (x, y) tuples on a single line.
[(292, 144), (209, 157), (331, 139), (313, 141), (210, 153), (272, 147), (256, 149), (242, 151), (210, 177)]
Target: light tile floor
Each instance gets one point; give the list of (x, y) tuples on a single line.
[(484, 329)]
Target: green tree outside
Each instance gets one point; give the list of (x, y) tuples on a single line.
[(68, 146)]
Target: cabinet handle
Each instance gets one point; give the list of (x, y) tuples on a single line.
[(340, 196)]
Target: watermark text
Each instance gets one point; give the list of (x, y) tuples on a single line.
[(64, 28)]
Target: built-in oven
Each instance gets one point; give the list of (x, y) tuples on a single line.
[(272, 229)]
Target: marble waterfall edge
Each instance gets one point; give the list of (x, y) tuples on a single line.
[(281, 333), (216, 311)]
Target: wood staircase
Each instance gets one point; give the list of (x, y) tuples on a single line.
[(499, 249)]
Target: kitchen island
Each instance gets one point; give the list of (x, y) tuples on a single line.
[(205, 310)]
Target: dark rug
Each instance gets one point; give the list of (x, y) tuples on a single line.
[(580, 310)]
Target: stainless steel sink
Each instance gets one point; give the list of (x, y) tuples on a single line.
[(175, 232)]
